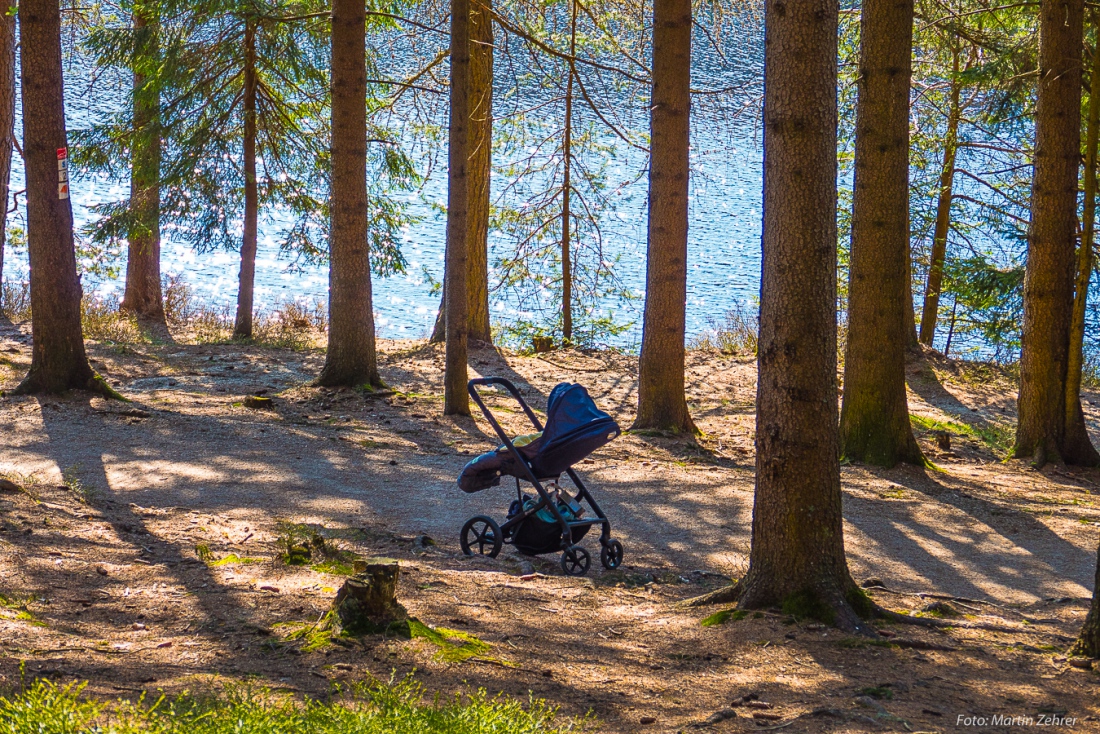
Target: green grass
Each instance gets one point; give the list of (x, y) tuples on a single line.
[(999, 438), (454, 646), (366, 708), (726, 615), (234, 559)]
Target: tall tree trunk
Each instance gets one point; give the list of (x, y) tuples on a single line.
[(142, 296), (351, 359), (58, 359), (567, 187), (480, 176), (797, 557), (661, 399), (456, 400), (1077, 433), (242, 329), (874, 419), (1088, 643), (7, 129), (934, 284), (1048, 281)]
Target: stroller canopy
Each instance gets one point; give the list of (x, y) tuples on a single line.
[(575, 428)]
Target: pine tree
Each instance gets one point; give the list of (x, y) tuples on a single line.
[(874, 419), (797, 557), (1041, 434), (58, 359), (661, 399), (7, 128)]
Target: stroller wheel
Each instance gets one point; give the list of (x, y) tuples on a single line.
[(575, 561), (481, 536), (611, 555)]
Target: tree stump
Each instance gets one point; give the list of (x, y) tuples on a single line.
[(367, 602)]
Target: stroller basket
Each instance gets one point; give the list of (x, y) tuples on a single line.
[(553, 520)]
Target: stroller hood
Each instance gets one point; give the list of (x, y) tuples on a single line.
[(575, 428)]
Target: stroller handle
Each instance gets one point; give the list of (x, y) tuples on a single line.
[(474, 384)]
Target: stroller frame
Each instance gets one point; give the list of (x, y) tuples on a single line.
[(575, 560)]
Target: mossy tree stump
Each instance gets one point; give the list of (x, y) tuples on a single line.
[(367, 602)]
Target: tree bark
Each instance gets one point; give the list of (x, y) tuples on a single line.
[(567, 187), (351, 358), (1049, 276), (58, 359), (1088, 643), (1076, 432), (142, 296), (797, 557), (7, 129), (874, 419), (934, 284), (480, 176), (242, 328), (661, 399), (456, 400)]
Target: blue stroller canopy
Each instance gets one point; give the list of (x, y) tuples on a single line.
[(575, 428)]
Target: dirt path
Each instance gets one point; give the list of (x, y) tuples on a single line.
[(102, 577)]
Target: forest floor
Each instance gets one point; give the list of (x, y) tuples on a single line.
[(143, 552)]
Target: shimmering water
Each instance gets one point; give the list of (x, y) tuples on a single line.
[(724, 242)]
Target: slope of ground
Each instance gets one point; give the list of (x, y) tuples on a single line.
[(143, 550)]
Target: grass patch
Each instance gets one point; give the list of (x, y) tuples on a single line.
[(303, 545), (364, 708), (997, 437), (726, 615), (454, 646), (71, 479), (334, 568), (233, 559), (316, 636), (16, 607)]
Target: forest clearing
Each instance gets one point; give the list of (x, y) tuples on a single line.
[(143, 552)]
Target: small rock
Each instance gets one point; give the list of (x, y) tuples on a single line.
[(393, 462), (719, 716), (942, 608), (1080, 663), (869, 703), (101, 570), (7, 485), (137, 626), (648, 720), (164, 645), (873, 583)]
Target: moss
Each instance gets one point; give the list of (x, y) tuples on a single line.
[(454, 646), (879, 692), (808, 604), (726, 615), (861, 603), (233, 559)]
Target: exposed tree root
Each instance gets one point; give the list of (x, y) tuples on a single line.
[(883, 613), (726, 595)]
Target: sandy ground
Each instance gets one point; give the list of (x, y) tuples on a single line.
[(102, 578)]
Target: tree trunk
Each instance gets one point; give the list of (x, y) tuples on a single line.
[(1088, 643), (1077, 434), (7, 129), (480, 174), (797, 557), (351, 359), (661, 400), (58, 360), (242, 328), (874, 419), (456, 401), (934, 284), (143, 296), (567, 187), (1048, 281)]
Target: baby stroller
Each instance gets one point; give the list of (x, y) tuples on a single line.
[(554, 520)]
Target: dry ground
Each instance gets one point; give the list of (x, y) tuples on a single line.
[(105, 576)]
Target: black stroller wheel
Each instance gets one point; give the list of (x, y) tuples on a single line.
[(481, 536), (611, 555), (575, 561)]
